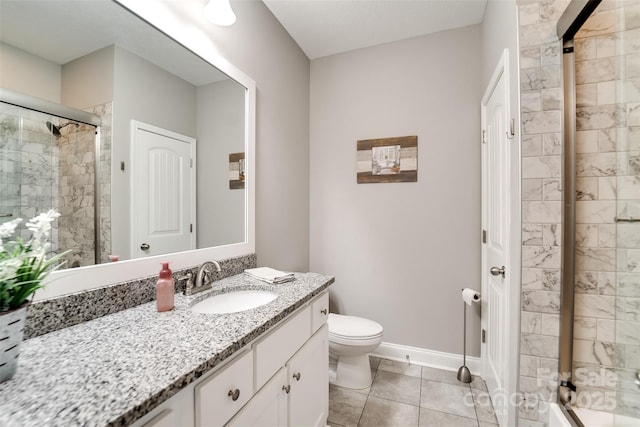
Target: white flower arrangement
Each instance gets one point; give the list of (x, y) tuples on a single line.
[(23, 265)]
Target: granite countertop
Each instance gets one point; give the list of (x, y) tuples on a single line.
[(115, 369)]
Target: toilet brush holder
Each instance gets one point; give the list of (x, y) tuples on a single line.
[(464, 375)]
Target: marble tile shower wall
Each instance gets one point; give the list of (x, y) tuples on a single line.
[(607, 303), (541, 114)]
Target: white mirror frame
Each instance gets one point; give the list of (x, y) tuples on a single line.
[(95, 276)]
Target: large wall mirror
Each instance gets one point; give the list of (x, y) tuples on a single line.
[(163, 167)]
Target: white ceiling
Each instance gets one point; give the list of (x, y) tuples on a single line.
[(327, 27)]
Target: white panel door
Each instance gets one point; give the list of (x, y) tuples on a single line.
[(163, 191), (496, 284)]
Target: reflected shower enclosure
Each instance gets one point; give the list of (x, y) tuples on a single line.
[(51, 162)]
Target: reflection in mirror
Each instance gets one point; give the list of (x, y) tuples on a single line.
[(109, 62)]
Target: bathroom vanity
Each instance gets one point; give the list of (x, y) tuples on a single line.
[(267, 365)]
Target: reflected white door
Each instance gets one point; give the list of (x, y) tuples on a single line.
[(497, 314), (163, 191)]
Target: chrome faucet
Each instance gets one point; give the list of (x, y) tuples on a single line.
[(203, 279)]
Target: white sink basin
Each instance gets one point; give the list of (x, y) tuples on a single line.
[(233, 302)]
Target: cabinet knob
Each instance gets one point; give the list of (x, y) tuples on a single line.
[(145, 246), (324, 311), (286, 388), (234, 394), (297, 376)]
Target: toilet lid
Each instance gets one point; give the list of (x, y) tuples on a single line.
[(353, 327)]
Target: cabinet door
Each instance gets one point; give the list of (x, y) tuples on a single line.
[(309, 378), (268, 406), (221, 395), (319, 311)]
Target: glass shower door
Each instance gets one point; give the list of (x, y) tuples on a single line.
[(627, 215)]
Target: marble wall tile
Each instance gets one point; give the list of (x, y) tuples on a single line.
[(585, 49), (587, 141), (541, 167), (632, 261), (628, 308), (628, 285), (607, 188), (600, 22), (551, 279), (607, 236), (584, 328), (626, 332), (630, 90), (530, 323), (529, 365), (595, 212), (541, 256), (531, 278), (587, 235), (628, 235), (587, 95), (551, 189), (606, 330), (538, 34), (541, 122), (607, 283), (550, 54), (598, 70), (551, 234), (529, 14), (606, 92), (595, 352), (633, 113), (600, 117), (541, 302), (531, 189), (530, 57), (542, 212), (539, 78), (606, 45), (532, 234), (633, 66), (531, 101), (538, 345), (551, 144), (607, 140), (598, 259), (550, 324), (586, 188), (597, 306), (531, 145)]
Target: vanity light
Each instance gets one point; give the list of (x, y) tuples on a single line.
[(219, 12)]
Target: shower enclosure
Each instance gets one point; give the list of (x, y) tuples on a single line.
[(52, 161), (600, 315)]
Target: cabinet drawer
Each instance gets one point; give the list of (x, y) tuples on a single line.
[(319, 311), (214, 396), (273, 351)]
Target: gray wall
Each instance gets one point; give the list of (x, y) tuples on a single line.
[(259, 46), (141, 92), (29, 74), (220, 131), (88, 80), (400, 252)]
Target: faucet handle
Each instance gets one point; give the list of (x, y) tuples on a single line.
[(188, 277)]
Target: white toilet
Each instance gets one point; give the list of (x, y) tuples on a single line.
[(351, 339)]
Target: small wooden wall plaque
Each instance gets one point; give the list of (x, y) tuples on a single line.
[(236, 171), (388, 160)]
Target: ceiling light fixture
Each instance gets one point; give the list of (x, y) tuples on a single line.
[(219, 12)]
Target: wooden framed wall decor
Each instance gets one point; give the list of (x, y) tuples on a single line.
[(388, 160), (236, 171)]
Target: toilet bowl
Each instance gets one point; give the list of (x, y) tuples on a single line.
[(351, 339)]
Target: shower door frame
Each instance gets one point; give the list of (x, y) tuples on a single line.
[(62, 111)]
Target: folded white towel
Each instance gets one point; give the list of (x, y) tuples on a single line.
[(269, 275)]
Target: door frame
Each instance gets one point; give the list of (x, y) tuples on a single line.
[(138, 125), (513, 253)]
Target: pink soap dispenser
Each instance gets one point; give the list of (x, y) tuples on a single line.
[(164, 289)]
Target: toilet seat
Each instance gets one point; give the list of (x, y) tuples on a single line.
[(353, 330)]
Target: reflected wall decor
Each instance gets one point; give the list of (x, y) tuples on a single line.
[(236, 171), (388, 160)]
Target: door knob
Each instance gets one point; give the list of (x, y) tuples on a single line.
[(145, 246), (497, 271)]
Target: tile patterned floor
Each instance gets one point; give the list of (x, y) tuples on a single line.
[(407, 395)]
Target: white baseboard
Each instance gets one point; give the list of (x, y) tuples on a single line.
[(424, 357)]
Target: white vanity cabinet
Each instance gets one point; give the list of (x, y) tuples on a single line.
[(281, 379), (298, 395)]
